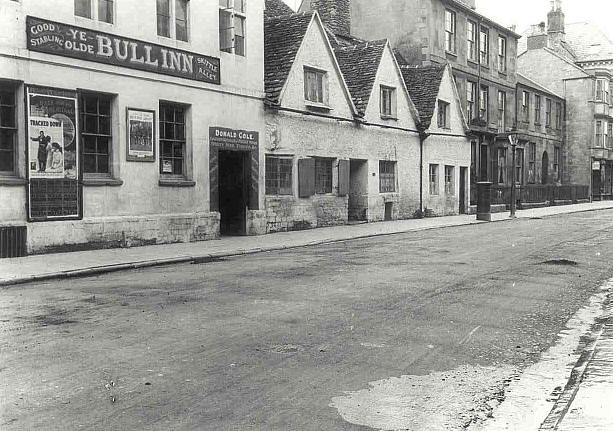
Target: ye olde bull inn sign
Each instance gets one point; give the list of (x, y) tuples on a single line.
[(76, 42)]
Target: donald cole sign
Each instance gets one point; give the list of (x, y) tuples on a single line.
[(77, 42)]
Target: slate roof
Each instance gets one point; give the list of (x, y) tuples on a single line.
[(524, 80), (283, 36), (588, 42), (274, 8), (359, 65), (423, 84)]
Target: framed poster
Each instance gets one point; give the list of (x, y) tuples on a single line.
[(54, 192), (140, 129)]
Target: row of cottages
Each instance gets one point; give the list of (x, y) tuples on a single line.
[(345, 140)]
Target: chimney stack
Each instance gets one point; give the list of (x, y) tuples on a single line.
[(335, 14)]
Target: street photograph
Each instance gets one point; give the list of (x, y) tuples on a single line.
[(287, 215)]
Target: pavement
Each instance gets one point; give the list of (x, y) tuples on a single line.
[(91, 262)]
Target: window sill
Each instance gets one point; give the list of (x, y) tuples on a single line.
[(175, 182), (451, 54), (389, 117), (12, 181), (317, 106), (100, 182), (472, 63)]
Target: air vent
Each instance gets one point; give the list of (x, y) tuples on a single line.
[(13, 241)]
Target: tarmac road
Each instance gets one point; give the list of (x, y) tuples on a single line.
[(411, 331)]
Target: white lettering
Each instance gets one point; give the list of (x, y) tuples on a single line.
[(104, 46), (164, 58), (121, 55), (188, 63), (175, 60), (134, 58), (73, 33), (148, 60)]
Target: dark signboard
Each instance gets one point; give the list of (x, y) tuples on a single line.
[(231, 139), (53, 154), (70, 41)]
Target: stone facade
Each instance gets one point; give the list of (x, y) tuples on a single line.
[(135, 204)]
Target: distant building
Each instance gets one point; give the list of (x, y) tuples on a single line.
[(576, 62)]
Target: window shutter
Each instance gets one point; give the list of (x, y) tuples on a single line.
[(306, 178), (343, 177)]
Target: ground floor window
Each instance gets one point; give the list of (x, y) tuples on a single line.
[(449, 180), (323, 176), (556, 163), (387, 176), (96, 134), (279, 175), (502, 166), (8, 130), (519, 166), (172, 139), (433, 179), (532, 162)]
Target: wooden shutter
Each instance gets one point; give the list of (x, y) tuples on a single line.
[(343, 177), (306, 177)]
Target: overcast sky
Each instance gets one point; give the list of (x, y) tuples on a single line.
[(524, 13)]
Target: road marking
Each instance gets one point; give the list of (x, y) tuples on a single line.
[(469, 336)]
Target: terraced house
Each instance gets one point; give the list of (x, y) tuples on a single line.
[(126, 123)]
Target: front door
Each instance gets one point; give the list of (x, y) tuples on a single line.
[(232, 192), (463, 190), (358, 190), (545, 168)]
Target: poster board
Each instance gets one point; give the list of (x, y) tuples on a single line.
[(54, 192), (140, 130)]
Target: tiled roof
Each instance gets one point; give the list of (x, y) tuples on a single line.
[(423, 84), (588, 42), (359, 65), (276, 8), (283, 36)]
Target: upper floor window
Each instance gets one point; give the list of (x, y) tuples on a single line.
[(8, 130), (315, 85), (525, 105), (471, 40), (443, 114), (599, 133), (471, 97), (602, 90), (502, 110), (232, 17), (172, 19), (102, 10), (558, 116), (537, 109), (484, 46), (450, 25), (502, 54), (483, 103), (610, 134), (388, 102), (547, 112)]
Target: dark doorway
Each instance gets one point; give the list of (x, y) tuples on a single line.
[(463, 172), (389, 211), (232, 191), (596, 185), (358, 190), (545, 168), (483, 163)]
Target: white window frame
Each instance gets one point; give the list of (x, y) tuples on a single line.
[(471, 43), (502, 54), (484, 101), (324, 85), (172, 25), (391, 98), (502, 110), (443, 114), (235, 13), (599, 134), (471, 96), (433, 179), (484, 48), (449, 180), (94, 12), (450, 31)]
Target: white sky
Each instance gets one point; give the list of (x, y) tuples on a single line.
[(524, 13)]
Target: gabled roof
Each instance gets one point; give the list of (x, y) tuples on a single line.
[(423, 83), (359, 65), (524, 80), (283, 36), (274, 8)]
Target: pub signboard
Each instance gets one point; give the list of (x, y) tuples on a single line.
[(76, 42)]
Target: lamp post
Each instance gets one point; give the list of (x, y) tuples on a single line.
[(513, 140)]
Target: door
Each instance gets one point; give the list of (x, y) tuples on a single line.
[(483, 163), (358, 190), (463, 190), (545, 168), (233, 192)]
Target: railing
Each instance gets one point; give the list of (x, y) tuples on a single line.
[(547, 194), (500, 195)]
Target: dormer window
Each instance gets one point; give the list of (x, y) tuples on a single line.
[(232, 17), (388, 102), (443, 115), (315, 85)]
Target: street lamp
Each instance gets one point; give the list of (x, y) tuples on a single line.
[(513, 138)]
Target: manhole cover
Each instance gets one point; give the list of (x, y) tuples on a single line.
[(561, 262)]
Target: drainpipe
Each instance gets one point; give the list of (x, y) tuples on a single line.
[(422, 138)]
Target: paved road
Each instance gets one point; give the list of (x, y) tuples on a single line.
[(412, 331)]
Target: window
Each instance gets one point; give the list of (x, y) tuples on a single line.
[(279, 175), (471, 96), (547, 112), (471, 39), (8, 130), (103, 12), (387, 176), (484, 50), (232, 17), (537, 109), (532, 162), (323, 176), (605, 129), (519, 166), (525, 106), (602, 90), (171, 12), (610, 134), (556, 163), (502, 110), (483, 103), (314, 85), (502, 166), (502, 54), (473, 159), (172, 139), (443, 114), (388, 102), (96, 135), (449, 180), (598, 133), (558, 116), (434, 179), (450, 31)]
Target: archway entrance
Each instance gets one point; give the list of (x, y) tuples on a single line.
[(545, 168)]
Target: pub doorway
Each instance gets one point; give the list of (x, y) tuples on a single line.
[(233, 191)]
